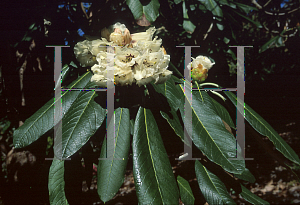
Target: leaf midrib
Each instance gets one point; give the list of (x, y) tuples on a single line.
[(74, 127), (52, 106), (207, 131)]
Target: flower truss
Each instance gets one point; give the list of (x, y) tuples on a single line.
[(200, 67), (135, 58)]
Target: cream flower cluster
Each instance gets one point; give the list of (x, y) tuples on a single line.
[(200, 67), (136, 58)]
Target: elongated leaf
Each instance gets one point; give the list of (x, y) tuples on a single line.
[(212, 188), (186, 193), (268, 44), (151, 10), (223, 113), (187, 24), (169, 90), (256, 23), (209, 133), (64, 72), (261, 126), (246, 175), (111, 172), (81, 121), (252, 198), (246, 8), (153, 176), (43, 120), (56, 183)]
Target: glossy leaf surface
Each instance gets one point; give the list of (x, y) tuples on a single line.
[(261, 126), (212, 188), (111, 171), (152, 171)]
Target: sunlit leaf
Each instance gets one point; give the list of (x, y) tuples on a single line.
[(111, 172), (212, 188), (43, 120), (187, 24), (209, 133), (153, 176), (252, 198), (56, 184), (151, 10), (261, 126), (186, 193), (81, 121)]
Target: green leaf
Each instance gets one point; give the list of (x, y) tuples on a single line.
[(43, 120), (81, 121), (31, 26), (169, 90), (212, 6), (187, 24), (212, 188), (225, 2), (223, 113), (252, 198), (226, 40), (209, 133), (64, 72), (246, 8), (131, 126), (277, 40), (261, 126), (246, 175), (186, 193), (56, 184), (152, 171), (111, 172), (151, 10), (177, 1), (256, 23)]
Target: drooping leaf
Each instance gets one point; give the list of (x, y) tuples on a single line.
[(252, 198), (81, 121), (151, 10), (209, 133), (187, 24), (56, 184), (186, 193), (212, 188), (111, 172), (246, 175), (43, 120), (152, 171), (261, 126)]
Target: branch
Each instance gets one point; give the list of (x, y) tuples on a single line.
[(256, 4)]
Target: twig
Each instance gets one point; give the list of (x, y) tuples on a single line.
[(256, 4)]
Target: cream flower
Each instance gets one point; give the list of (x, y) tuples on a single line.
[(86, 51), (137, 58), (200, 67), (143, 36)]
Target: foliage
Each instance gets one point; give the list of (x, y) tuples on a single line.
[(214, 25)]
